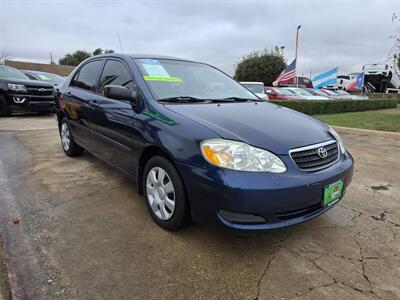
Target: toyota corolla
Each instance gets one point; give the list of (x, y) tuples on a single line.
[(201, 146)]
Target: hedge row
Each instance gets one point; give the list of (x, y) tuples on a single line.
[(337, 106)]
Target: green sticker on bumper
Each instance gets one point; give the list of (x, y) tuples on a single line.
[(333, 192), (162, 78)]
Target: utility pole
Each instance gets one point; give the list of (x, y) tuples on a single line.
[(120, 44), (297, 49)]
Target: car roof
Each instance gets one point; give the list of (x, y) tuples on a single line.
[(139, 55)]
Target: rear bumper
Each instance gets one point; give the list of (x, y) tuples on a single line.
[(280, 199)]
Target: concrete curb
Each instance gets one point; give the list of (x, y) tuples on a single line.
[(368, 132)]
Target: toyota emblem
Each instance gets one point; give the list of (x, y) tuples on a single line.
[(322, 152)]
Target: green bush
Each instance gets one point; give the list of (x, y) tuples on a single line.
[(262, 66), (337, 106)]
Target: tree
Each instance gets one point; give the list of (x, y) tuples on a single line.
[(74, 59), (101, 51), (262, 66)]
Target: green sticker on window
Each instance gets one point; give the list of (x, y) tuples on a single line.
[(162, 78), (44, 77)]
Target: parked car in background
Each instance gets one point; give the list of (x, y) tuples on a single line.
[(303, 82), (332, 94), (343, 81), (306, 94), (200, 145), (381, 76), (54, 79), (277, 93), (256, 87), (20, 94), (351, 96)]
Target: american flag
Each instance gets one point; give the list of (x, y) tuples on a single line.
[(287, 74)]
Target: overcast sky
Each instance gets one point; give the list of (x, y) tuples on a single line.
[(346, 34)]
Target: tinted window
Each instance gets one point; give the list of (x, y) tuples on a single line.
[(87, 76), (31, 76), (115, 72)]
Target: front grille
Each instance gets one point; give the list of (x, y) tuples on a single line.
[(39, 91), (308, 159)]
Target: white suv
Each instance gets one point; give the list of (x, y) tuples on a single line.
[(343, 81), (256, 87)]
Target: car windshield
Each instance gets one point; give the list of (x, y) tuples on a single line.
[(255, 87), (285, 92), (11, 73), (312, 92), (302, 92), (168, 78), (51, 78), (332, 93), (321, 93)]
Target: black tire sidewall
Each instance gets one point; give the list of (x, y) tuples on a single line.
[(179, 216), (4, 109)]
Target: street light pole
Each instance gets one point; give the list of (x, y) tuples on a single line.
[(297, 48)]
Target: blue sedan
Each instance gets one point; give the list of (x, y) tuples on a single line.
[(201, 146)]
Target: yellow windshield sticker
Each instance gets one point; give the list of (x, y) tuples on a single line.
[(162, 78)]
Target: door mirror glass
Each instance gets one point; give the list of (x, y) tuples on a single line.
[(122, 93)]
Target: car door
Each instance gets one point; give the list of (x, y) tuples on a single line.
[(112, 120), (78, 97)]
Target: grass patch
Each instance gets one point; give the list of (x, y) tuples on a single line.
[(383, 119)]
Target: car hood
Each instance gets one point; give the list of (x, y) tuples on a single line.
[(27, 82), (260, 124)]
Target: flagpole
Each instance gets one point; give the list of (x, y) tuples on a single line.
[(297, 48)]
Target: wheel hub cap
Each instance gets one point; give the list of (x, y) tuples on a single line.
[(160, 193), (65, 136)]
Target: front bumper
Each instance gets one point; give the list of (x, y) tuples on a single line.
[(30, 103), (281, 199)]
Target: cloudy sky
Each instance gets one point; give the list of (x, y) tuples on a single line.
[(343, 33)]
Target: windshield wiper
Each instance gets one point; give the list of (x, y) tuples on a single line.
[(235, 99), (184, 99)]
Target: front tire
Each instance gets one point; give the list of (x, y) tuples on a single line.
[(4, 109), (165, 194), (70, 147)]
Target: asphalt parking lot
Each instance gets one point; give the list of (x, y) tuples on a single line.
[(73, 228)]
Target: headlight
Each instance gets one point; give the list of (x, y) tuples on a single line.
[(240, 156), (17, 87), (338, 139)]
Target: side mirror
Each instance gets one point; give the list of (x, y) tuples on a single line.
[(119, 92)]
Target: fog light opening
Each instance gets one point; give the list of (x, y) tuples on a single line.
[(240, 218), (19, 99)]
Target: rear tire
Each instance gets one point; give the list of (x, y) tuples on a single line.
[(165, 194), (70, 147), (4, 109)]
